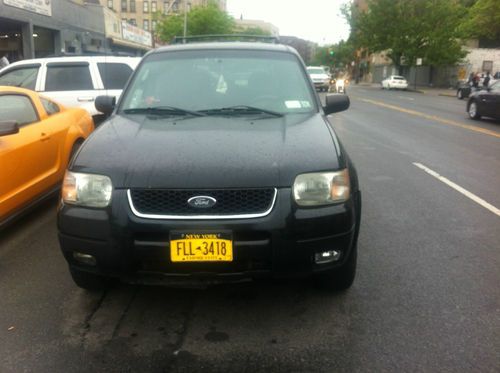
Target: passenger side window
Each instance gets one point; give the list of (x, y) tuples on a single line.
[(114, 75), (18, 108), (68, 77), (49, 106), (24, 77)]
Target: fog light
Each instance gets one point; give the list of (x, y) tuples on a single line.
[(84, 258), (326, 256)]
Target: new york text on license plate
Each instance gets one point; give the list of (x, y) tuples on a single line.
[(201, 247)]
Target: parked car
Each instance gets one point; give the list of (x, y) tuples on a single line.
[(319, 77), (395, 82), (72, 81), (485, 103), (37, 138), (464, 89), (187, 182)]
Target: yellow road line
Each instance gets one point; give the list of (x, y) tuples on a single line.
[(433, 117)]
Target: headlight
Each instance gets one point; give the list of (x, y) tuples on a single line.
[(321, 188), (86, 189)]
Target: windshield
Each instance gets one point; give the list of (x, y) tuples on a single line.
[(208, 80), (315, 71)]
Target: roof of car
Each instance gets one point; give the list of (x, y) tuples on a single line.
[(225, 46), (75, 59)]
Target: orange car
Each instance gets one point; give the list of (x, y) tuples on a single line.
[(37, 140)]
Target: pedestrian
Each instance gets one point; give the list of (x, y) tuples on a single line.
[(486, 80), (475, 81), (470, 81), (4, 62)]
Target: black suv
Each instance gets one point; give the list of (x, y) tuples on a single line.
[(218, 164)]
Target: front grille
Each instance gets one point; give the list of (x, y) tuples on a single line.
[(173, 202)]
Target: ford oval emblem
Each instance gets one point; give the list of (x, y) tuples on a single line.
[(202, 202)]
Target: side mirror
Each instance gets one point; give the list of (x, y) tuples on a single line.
[(9, 128), (105, 104), (336, 102)]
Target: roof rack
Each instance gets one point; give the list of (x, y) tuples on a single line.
[(225, 37), (90, 54)]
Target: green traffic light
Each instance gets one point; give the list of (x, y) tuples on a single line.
[(332, 53)]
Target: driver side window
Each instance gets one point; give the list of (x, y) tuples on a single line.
[(18, 108)]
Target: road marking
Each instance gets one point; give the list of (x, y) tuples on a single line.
[(406, 98), (458, 188), (433, 117)]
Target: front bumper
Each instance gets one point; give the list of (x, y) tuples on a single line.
[(322, 84), (135, 249)]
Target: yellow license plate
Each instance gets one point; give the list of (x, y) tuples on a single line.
[(201, 247)]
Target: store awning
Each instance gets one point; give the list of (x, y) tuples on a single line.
[(130, 44)]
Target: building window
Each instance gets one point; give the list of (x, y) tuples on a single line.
[(153, 24), (132, 6), (124, 5), (153, 6), (146, 24), (175, 6), (166, 4), (124, 20), (110, 4), (145, 6), (132, 21), (488, 66)]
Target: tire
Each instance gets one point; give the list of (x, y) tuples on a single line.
[(460, 94), (472, 110), (88, 281), (340, 278)]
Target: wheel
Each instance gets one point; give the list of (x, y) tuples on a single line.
[(460, 94), (339, 278), (473, 113), (88, 281)]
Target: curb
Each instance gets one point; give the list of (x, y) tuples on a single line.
[(446, 94)]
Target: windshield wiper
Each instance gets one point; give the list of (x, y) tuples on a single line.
[(163, 110), (240, 110)]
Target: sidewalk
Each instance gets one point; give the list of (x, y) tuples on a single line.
[(448, 92)]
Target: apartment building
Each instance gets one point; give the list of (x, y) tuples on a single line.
[(141, 13)]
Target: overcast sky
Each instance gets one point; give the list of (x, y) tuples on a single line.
[(319, 21)]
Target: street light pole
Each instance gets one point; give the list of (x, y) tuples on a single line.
[(185, 20)]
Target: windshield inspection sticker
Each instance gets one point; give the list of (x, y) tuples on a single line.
[(293, 104), (305, 104)]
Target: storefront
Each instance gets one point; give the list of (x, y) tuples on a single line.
[(123, 38), (30, 28)]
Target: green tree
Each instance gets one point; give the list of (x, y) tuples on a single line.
[(251, 31), (483, 20), (201, 20), (410, 29), (335, 55)]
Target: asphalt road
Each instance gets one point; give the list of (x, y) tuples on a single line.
[(426, 298)]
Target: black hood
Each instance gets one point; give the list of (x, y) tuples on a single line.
[(208, 152)]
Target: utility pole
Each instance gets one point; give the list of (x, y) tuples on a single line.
[(185, 20)]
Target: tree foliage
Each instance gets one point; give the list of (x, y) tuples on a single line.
[(343, 54), (251, 31), (410, 29), (201, 20), (483, 20)]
